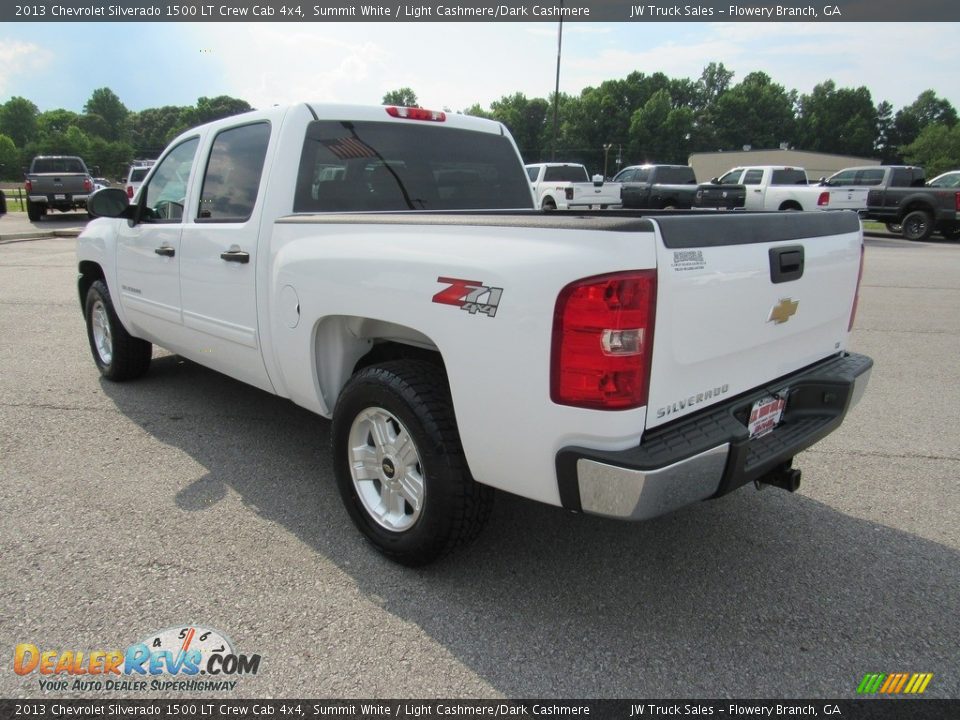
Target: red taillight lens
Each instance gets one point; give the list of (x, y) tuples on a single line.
[(28, 185), (417, 114), (824, 199), (856, 295), (130, 192), (602, 339), (956, 201), (87, 185)]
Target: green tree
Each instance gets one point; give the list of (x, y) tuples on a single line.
[(881, 145), (755, 112), (9, 159), (936, 149), (909, 121), (105, 105), (151, 130), (476, 110), (18, 120), (54, 123), (525, 119), (838, 120), (660, 132), (216, 108), (403, 97)]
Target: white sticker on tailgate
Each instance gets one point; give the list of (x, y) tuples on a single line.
[(766, 415)]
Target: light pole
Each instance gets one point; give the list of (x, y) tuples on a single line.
[(606, 154), (556, 88)]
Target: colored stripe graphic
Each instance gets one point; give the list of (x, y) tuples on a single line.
[(894, 683)]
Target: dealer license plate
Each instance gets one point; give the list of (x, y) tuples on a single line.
[(766, 414), (59, 197)]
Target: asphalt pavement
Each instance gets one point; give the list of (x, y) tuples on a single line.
[(188, 498)]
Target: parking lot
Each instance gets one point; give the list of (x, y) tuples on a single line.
[(189, 498)]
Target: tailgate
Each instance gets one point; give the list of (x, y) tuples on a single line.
[(590, 194), (736, 307), (725, 197)]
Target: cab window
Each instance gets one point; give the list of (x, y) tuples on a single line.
[(165, 196), (752, 177), (232, 176)]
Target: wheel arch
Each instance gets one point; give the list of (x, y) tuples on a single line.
[(88, 273), (918, 203), (345, 344)]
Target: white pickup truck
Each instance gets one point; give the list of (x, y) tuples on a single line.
[(775, 187), (567, 186), (385, 267)]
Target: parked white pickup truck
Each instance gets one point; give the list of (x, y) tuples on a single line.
[(775, 187), (567, 186), (607, 363)]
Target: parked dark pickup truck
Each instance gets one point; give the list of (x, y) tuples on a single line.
[(657, 187), (57, 182), (919, 209)]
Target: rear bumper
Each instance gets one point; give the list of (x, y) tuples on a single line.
[(52, 199), (708, 454)]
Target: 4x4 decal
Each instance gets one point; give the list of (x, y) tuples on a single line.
[(470, 295)]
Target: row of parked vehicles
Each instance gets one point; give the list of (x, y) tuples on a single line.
[(892, 194)]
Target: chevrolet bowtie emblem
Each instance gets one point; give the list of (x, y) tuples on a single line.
[(783, 311)]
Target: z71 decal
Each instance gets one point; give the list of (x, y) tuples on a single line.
[(470, 295)]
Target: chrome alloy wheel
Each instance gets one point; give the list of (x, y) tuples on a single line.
[(102, 339), (386, 470)]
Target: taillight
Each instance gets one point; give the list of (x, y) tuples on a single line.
[(956, 201), (568, 192), (87, 185), (130, 192), (602, 340), (824, 199), (416, 114), (28, 185), (856, 294)]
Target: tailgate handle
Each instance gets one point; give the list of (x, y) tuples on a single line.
[(786, 263)]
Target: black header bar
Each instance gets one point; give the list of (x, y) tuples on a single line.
[(639, 11)]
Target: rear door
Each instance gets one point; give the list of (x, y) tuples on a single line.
[(219, 254), (745, 299)]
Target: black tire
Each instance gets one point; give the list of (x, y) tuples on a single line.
[(34, 211), (790, 206), (894, 228), (548, 204), (917, 225), (413, 399), (950, 232), (125, 357)]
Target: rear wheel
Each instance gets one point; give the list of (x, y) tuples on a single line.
[(548, 204), (399, 464), (917, 225), (34, 211), (790, 206), (118, 355)]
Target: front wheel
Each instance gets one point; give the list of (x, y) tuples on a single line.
[(917, 225), (118, 355), (399, 464)]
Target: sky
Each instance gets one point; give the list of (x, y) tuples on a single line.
[(453, 65)]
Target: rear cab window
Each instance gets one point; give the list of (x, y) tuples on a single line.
[(789, 176), (566, 173), (676, 176), (386, 166)]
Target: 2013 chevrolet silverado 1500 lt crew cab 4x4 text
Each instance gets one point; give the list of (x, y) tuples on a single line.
[(385, 267)]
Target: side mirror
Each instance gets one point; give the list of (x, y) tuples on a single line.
[(110, 202), (715, 180), (598, 180)]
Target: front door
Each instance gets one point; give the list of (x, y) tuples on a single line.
[(148, 249)]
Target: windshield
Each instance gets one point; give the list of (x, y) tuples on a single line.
[(59, 165), (357, 166)]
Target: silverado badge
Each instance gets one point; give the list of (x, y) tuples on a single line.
[(783, 311)]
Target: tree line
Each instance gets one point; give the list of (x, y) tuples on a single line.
[(654, 118), (106, 134), (639, 118)]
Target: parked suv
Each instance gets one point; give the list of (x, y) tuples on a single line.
[(136, 175)]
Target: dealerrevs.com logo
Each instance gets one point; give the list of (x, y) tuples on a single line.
[(188, 658)]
